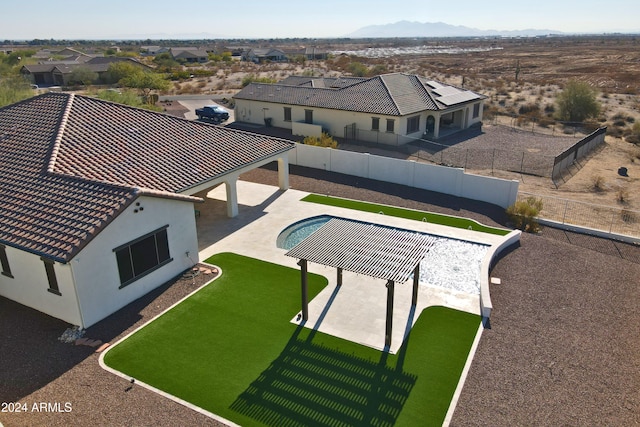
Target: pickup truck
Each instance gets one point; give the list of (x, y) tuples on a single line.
[(214, 113)]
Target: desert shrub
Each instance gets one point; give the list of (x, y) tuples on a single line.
[(615, 132), (531, 109), (630, 217), (622, 196), (524, 213), (634, 136), (252, 78), (325, 140), (597, 183)]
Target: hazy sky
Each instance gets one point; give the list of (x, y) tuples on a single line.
[(118, 19)]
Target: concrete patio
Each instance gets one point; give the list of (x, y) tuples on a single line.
[(355, 311)]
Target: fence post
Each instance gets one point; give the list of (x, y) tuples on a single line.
[(564, 215), (613, 218), (466, 156), (522, 162)]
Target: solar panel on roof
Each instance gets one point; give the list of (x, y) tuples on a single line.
[(457, 98)]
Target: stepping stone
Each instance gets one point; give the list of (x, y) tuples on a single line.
[(81, 341), (95, 343)]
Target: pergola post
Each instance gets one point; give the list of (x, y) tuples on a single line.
[(339, 278), (303, 282), (283, 173), (387, 336), (416, 282), (232, 196)]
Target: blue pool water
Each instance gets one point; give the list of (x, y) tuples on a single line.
[(450, 263), (298, 231)]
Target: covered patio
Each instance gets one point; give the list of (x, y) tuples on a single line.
[(377, 251)]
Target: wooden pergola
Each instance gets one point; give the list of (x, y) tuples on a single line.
[(381, 252)]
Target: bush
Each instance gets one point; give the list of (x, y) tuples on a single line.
[(628, 216), (325, 140), (252, 78), (597, 183), (524, 213), (577, 102), (622, 196)]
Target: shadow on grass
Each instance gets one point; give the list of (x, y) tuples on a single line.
[(311, 384)]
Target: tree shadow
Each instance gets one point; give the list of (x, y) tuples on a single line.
[(312, 384)]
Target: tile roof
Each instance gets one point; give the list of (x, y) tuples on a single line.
[(70, 164), (395, 94)]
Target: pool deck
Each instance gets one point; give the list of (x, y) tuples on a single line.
[(356, 311)]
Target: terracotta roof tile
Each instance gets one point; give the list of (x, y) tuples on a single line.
[(70, 164)]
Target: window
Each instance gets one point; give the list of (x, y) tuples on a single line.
[(390, 125), (4, 262), (308, 116), (476, 110), (375, 123), (413, 124), (287, 114), (51, 276), (142, 256)]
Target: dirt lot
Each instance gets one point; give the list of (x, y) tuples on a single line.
[(609, 63)]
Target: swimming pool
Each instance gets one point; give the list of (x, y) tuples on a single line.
[(450, 263)]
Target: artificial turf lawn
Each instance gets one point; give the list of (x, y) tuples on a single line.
[(451, 221), (231, 350)]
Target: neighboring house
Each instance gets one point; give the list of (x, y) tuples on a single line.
[(390, 109), (59, 73), (263, 55), (97, 199), (152, 50), (189, 54), (310, 53)]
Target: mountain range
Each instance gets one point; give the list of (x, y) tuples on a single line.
[(439, 29)]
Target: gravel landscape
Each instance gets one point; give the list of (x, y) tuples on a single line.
[(559, 348)]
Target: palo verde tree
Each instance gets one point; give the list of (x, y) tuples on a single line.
[(577, 102), (145, 82)]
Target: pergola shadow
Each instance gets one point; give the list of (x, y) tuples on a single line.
[(311, 384)]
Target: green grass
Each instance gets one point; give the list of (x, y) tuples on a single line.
[(450, 221), (231, 350)]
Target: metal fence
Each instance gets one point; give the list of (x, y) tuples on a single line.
[(490, 159), (605, 219), (479, 159), (577, 151)]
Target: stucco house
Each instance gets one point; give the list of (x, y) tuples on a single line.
[(391, 109), (59, 73), (258, 55), (189, 54), (97, 199)]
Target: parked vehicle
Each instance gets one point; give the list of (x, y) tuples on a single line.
[(214, 113)]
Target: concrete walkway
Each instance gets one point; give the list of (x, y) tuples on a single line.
[(356, 311)]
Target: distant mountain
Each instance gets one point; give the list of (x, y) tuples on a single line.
[(439, 29)]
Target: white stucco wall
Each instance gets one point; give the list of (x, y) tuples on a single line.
[(335, 121), (29, 286), (96, 271), (430, 177)]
